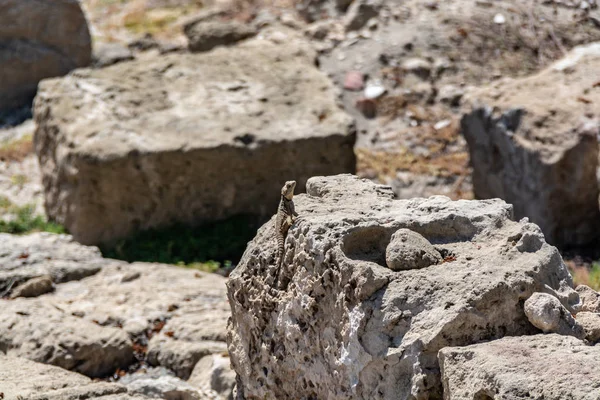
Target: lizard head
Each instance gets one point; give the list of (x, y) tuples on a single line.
[(287, 190)]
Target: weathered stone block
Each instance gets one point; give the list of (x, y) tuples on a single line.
[(535, 145), (549, 367), (186, 137)]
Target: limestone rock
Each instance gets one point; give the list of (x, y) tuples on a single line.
[(409, 250), (111, 53), (344, 326), (551, 367), (540, 152), (590, 299), (40, 39), (158, 383), (545, 312), (591, 325), (25, 379), (206, 35), (41, 331), (26, 257), (128, 147), (34, 287), (214, 372), (181, 356), (192, 303), (87, 324)]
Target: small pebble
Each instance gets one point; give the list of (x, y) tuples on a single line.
[(499, 19), (354, 81), (374, 90), (441, 124)]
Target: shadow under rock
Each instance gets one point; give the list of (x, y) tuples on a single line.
[(221, 241)]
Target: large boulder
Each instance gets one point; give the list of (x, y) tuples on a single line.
[(534, 143), (187, 137), (39, 39), (25, 379), (338, 323), (549, 367)]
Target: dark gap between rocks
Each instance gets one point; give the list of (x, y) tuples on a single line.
[(216, 244)]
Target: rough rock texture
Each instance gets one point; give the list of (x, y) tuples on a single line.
[(591, 325), (359, 13), (39, 39), (549, 367), (191, 304), (545, 312), (540, 152), (25, 257), (34, 287), (44, 332), (346, 326), (214, 372), (106, 54), (313, 10), (590, 299), (187, 137), (206, 35), (33, 381), (409, 250), (88, 325), (158, 383)]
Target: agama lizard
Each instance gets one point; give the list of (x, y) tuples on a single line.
[(286, 216)]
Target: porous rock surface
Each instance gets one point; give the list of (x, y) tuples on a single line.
[(24, 379), (339, 324), (545, 312), (39, 39), (187, 137), (549, 367), (534, 143), (93, 324)]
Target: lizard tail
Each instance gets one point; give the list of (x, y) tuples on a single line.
[(279, 261)]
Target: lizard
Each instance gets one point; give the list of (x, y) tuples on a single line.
[(286, 216)]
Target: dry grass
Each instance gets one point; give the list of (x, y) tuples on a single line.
[(17, 150), (585, 273), (439, 161)]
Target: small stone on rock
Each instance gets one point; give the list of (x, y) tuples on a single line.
[(34, 287), (410, 250), (354, 81), (374, 90), (546, 313), (499, 19)]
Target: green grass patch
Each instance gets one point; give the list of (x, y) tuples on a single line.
[(25, 220), (594, 278), (206, 247)]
